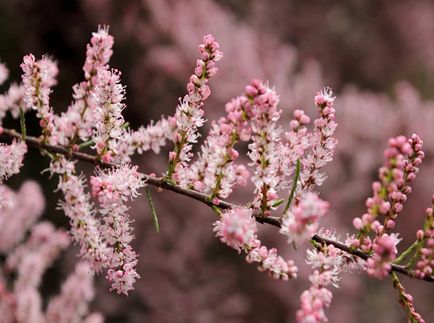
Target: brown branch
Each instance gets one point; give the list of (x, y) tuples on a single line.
[(159, 182)]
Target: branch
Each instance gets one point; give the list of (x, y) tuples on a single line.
[(160, 182)]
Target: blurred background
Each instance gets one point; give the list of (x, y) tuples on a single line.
[(377, 55)]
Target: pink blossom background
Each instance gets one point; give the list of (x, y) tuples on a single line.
[(377, 55)]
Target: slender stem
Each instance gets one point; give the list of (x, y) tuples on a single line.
[(163, 183), (294, 185), (404, 299)]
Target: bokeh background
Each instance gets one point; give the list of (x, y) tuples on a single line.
[(377, 55)]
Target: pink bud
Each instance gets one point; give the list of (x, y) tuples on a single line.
[(251, 91), (390, 224), (107, 157), (304, 119), (172, 156), (358, 223)]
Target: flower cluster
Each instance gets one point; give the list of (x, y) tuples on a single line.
[(406, 300), (327, 262), (11, 158), (402, 158), (189, 114), (322, 142), (237, 228), (265, 149), (298, 139), (153, 136), (384, 252), (85, 227), (78, 120), (425, 265), (106, 104), (39, 76), (112, 189), (214, 172), (95, 114), (302, 220)]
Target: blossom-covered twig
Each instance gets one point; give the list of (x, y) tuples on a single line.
[(160, 182)]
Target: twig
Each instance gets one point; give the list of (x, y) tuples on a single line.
[(160, 182)]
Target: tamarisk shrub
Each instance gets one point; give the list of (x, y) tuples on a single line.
[(285, 169)]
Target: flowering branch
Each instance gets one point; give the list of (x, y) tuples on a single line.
[(283, 163), (160, 182)]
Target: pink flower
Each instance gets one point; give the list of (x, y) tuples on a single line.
[(236, 228), (85, 227), (321, 142), (11, 159), (189, 113), (302, 220), (112, 188), (106, 102), (98, 51), (402, 158), (384, 247), (38, 79)]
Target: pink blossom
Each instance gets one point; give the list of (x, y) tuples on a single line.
[(11, 159), (152, 137), (265, 149), (189, 114), (99, 51), (402, 158), (39, 76), (237, 228), (85, 227), (321, 141), (425, 264), (214, 168), (327, 262), (106, 102), (384, 247), (78, 120), (302, 220), (113, 188)]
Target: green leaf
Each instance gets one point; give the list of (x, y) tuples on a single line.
[(153, 212), (278, 202), (86, 144), (294, 185)]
